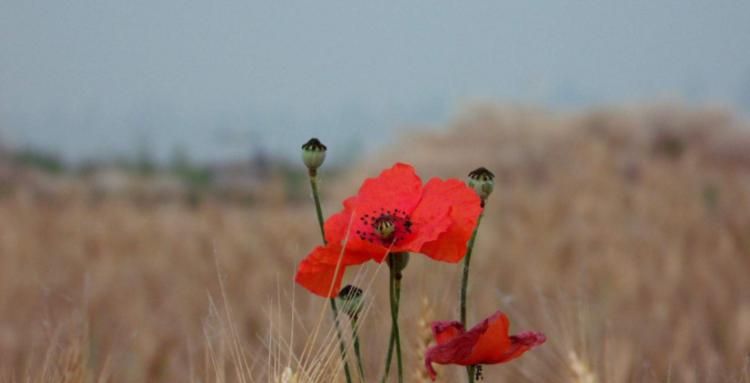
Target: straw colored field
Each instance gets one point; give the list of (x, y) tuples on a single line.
[(624, 235)]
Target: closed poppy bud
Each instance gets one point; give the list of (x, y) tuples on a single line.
[(482, 181), (313, 154), (351, 300)]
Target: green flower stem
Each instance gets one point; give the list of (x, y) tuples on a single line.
[(389, 355), (334, 309), (396, 335), (355, 334), (395, 298), (316, 198), (465, 284), (342, 347)]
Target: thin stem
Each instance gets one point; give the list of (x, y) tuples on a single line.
[(465, 283), (334, 309), (316, 198), (355, 335), (395, 298), (397, 336), (391, 343), (342, 347), (467, 263)]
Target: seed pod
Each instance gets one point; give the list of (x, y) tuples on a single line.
[(313, 154), (482, 181)]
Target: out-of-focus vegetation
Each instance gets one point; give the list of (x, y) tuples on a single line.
[(39, 160), (143, 179), (623, 234)]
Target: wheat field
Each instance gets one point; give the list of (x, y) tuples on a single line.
[(623, 234)]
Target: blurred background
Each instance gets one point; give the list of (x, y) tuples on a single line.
[(150, 149)]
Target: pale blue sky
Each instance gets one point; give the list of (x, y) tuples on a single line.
[(94, 77)]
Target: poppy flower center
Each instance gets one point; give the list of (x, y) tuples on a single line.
[(385, 226)]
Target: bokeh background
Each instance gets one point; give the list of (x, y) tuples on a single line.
[(150, 150)]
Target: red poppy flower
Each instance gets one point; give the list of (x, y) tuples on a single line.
[(486, 343), (393, 212)]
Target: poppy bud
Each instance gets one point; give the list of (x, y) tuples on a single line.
[(351, 300), (398, 262), (313, 154), (482, 181)]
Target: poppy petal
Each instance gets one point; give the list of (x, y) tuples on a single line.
[(486, 343), (317, 272), (443, 331), (399, 184), (522, 342), (396, 192), (460, 207), (453, 351), (396, 188), (337, 224), (493, 342)]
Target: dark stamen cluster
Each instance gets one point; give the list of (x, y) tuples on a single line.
[(388, 226)]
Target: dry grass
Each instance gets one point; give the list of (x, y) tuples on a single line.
[(423, 340), (622, 234)]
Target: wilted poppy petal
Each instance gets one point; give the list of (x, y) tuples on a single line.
[(493, 341), (317, 272), (456, 202), (521, 343), (453, 351), (486, 343), (443, 331)]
